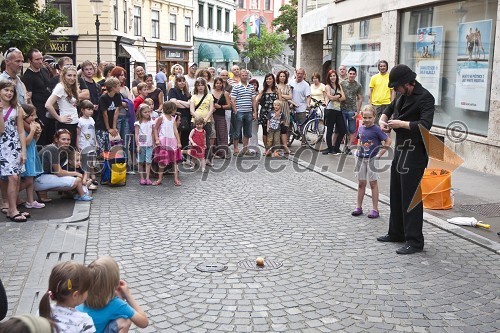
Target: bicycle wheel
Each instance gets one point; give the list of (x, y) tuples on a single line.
[(314, 132), (292, 133)]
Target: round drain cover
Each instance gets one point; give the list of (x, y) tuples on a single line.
[(211, 267), (268, 264)]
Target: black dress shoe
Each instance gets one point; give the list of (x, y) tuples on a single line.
[(408, 249), (388, 238)]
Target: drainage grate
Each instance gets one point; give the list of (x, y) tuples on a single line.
[(211, 267), (486, 210), (268, 264)]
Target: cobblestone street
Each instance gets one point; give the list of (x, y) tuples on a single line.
[(335, 276)]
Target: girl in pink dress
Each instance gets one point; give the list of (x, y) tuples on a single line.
[(168, 148), (198, 142)]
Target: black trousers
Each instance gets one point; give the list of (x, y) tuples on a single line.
[(334, 119), (405, 183), (48, 127)]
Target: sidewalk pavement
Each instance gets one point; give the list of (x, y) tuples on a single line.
[(475, 194), (28, 251)]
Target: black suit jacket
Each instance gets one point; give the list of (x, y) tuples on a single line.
[(418, 109)]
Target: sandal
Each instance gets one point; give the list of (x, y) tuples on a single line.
[(236, 153), (92, 187), (156, 183), (177, 183), (5, 210), (18, 218), (373, 214), (25, 214)]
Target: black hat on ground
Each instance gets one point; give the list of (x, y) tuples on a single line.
[(401, 75)]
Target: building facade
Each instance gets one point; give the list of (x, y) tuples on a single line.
[(252, 12), (132, 33), (213, 38), (450, 45)]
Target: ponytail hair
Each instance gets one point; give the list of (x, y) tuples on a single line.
[(65, 279)]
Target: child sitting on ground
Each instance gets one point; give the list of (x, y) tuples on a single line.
[(75, 164), (69, 283), (110, 302), (370, 138)]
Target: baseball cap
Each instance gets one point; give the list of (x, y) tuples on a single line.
[(191, 64)]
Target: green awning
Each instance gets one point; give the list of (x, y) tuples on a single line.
[(210, 53), (229, 53)]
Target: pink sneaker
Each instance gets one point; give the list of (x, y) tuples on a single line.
[(143, 182), (149, 182), (34, 204)]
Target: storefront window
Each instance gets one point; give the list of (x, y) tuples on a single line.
[(359, 46), (450, 47)]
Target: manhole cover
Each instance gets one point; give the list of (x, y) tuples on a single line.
[(487, 210), (211, 267), (268, 264)]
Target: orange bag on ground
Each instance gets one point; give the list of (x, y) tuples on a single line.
[(436, 189)]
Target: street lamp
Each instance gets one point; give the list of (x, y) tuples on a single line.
[(97, 10)]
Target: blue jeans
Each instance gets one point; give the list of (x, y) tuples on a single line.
[(243, 120), (124, 130), (350, 123)]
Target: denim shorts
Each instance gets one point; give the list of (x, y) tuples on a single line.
[(145, 155), (350, 123), (243, 120)]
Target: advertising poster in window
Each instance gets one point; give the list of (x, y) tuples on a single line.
[(428, 54), (473, 62)]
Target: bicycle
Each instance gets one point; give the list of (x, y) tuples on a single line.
[(313, 127)]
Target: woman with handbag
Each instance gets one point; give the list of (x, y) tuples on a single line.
[(333, 114), (285, 96), (221, 104), (202, 105), (179, 94)]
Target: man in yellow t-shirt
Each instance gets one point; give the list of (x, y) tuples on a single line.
[(380, 93)]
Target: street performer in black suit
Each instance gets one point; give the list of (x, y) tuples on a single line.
[(414, 106)]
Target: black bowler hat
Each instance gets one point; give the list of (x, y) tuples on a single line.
[(401, 75)]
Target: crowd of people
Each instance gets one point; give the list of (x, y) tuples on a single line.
[(59, 118)]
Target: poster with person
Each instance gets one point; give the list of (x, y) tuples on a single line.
[(473, 63), (428, 53)]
